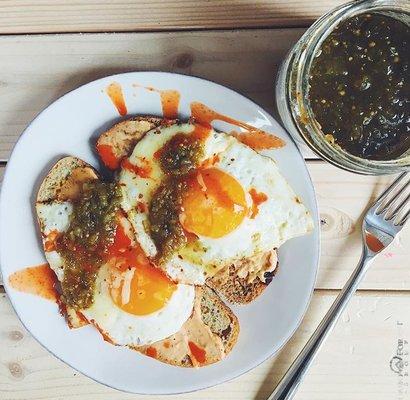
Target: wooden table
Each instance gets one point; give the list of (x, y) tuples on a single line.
[(50, 47)]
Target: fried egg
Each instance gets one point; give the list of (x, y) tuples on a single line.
[(134, 303), (232, 202)]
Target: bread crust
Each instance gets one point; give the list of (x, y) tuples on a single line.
[(230, 338)]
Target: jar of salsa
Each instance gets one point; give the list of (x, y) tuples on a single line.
[(344, 88)]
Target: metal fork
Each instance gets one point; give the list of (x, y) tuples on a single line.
[(382, 222)]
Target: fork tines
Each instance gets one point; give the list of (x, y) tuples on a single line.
[(394, 202)]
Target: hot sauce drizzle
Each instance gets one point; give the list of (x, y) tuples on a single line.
[(104, 335), (50, 242), (114, 91), (257, 199), (373, 243), (252, 137), (39, 280), (169, 101), (201, 132), (143, 172), (197, 352), (151, 352), (259, 140), (108, 157)]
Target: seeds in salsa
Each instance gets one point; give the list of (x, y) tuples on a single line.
[(180, 154), (166, 229), (178, 158), (359, 87), (82, 246)]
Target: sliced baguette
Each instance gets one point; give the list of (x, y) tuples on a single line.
[(64, 182), (122, 137), (218, 322)]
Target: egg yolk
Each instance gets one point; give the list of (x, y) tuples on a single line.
[(214, 203), (149, 289)]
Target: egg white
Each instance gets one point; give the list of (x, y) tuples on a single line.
[(132, 330), (54, 216), (121, 327), (281, 217)]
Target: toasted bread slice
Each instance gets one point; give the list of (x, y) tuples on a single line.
[(207, 337), (240, 289), (62, 183), (116, 143), (64, 180), (246, 279)]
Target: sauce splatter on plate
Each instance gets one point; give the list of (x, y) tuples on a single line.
[(39, 280), (114, 91), (255, 138)]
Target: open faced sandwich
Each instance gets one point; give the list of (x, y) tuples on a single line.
[(192, 216)]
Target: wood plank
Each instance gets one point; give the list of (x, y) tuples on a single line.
[(22, 16), (342, 197), (36, 70), (354, 364)]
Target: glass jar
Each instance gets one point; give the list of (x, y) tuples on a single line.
[(292, 88)]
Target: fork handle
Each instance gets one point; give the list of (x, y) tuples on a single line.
[(287, 387)]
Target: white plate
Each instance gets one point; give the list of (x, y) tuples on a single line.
[(69, 126)]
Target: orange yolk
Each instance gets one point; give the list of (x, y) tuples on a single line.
[(150, 289), (214, 204)]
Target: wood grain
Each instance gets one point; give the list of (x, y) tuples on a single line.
[(342, 197), (22, 16), (357, 362), (353, 364), (36, 70)]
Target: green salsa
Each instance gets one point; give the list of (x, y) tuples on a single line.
[(178, 158), (359, 87), (82, 246), (166, 229), (180, 154)]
